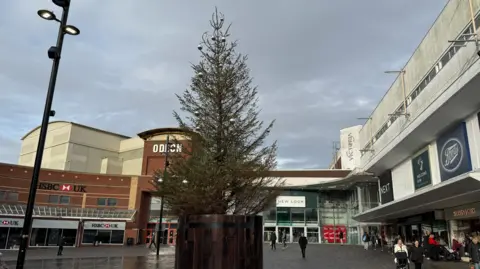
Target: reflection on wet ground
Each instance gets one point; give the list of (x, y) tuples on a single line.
[(143, 262)]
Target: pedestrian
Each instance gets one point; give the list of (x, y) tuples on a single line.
[(373, 239), (474, 253), (152, 241), (95, 240), (303, 242), (284, 239), (61, 242), (273, 239), (417, 255), (341, 238), (365, 240)]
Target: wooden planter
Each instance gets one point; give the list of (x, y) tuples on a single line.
[(219, 242)]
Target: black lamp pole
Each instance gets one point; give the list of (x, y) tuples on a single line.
[(54, 53), (159, 228)]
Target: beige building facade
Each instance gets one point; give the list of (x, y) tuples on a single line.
[(75, 147)]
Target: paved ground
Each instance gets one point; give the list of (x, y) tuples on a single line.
[(318, 256)]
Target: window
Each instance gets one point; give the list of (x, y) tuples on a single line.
[(8, 196), (106, 202), (59, 199)]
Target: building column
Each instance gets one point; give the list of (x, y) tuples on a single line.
[(360, 199)]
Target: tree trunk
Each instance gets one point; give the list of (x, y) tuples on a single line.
[(219, 242)]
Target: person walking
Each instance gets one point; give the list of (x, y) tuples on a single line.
[(417, 255), (61, 242), (373, 239), (273, 239), (303, 242), (474, 253), (365, 240), (284, 239), (341, 237)]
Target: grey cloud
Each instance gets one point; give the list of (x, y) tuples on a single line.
[(318, 64)]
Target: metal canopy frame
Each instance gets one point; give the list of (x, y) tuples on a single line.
[(68, 212)]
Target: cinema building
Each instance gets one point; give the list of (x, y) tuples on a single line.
[(97, 184)]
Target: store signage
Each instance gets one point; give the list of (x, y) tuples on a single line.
[(386, 188), (463, 212), (61, 187), (350, 140), (17, 223), (421, 170), (162, 148), (291, 201), (453, 153), (91, 225)]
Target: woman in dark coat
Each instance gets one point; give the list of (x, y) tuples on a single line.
[(417, 255)]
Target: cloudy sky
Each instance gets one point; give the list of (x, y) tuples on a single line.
[(318, 64)]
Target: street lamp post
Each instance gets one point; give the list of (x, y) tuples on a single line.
[(160, 218), (54, 53), (160, 180)]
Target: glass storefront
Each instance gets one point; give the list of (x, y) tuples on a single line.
[(267, 233), (103, 232), (10, 231), (47, 233)]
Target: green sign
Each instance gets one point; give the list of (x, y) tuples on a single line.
[(422, 175)]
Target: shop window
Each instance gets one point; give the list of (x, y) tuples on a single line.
[(311, 215), (106, 202), (103, 236), (283, 215), (298, 214), (8, 196), (59, 199)]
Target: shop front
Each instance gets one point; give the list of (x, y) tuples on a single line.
[(47, 232), (106, 233), (463, 221), (10, 231)]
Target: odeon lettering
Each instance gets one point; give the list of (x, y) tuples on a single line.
[(162, 148), (464, 212)]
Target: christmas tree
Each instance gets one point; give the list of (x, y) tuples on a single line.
[(225, 168)]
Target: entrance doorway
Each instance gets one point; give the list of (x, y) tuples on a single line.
[(297, 232), (172, 237), (284, 234)]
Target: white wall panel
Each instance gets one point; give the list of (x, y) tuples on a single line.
[(402, 180), (473, 133), (434, 165)]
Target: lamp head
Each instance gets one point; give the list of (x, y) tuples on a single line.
[(71, 30), (46, 14), (62, 3)]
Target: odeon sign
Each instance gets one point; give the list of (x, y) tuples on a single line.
[(162, 148)]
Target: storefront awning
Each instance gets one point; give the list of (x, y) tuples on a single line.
[(354, 178), (457, 191), (68, 213)]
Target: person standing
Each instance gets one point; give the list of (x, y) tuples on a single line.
[(61, 242), (341, 237), (365, 240), (303, 242), (273, 239), (417, 255), (474, 252), (284, 239)]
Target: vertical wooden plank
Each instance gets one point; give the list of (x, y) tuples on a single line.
[(219, 242)]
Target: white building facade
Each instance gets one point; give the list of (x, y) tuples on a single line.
[(422, 140)]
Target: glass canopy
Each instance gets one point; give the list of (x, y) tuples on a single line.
[(67, 212)]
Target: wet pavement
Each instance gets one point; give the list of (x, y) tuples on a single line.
[(318, 256)]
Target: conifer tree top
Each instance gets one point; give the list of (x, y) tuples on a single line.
[(226, 164)]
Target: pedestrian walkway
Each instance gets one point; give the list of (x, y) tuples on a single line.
[(86, 252), (317, 256)]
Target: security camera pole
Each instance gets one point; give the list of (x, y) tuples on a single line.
[(54, 54), (160, 221)]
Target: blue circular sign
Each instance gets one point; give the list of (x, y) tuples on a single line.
[(451, 155)]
